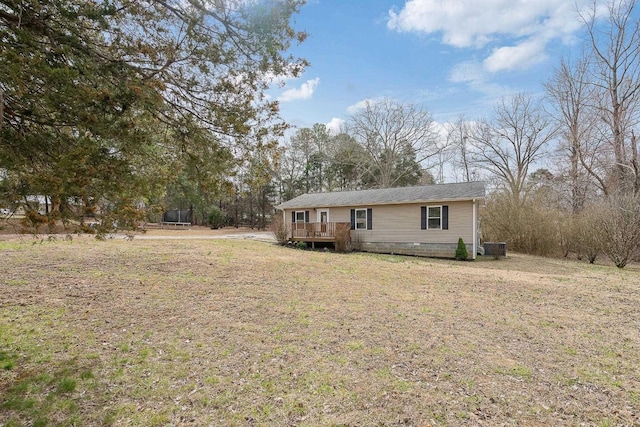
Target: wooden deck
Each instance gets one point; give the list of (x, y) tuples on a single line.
[(313, 232)]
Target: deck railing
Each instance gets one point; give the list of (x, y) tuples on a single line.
[(316, 230)]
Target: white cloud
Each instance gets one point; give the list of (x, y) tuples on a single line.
[(305, 91), (335, 125), (352, 109), (514, 27), (512, 57)]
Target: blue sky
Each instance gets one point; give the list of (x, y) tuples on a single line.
[(451, 57)]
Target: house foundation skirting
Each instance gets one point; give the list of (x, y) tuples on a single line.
[(432, 250)]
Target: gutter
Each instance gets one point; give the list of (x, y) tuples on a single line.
[(395, 202)]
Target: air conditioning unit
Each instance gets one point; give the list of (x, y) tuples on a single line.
[(495, 249)]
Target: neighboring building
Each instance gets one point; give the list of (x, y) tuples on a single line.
[(424, 221)]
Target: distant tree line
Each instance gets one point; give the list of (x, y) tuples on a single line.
[(385, 144)]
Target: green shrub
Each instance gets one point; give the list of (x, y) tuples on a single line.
[(301, 245), (461, 250), (215, 218)]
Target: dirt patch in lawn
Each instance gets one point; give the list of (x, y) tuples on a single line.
[(239, 332)]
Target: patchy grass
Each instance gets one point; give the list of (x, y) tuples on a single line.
[(237, 332)]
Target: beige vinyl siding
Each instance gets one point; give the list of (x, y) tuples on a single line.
[(340, 214), (401, 223)]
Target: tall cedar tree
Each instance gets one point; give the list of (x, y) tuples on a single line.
[(100, 100)]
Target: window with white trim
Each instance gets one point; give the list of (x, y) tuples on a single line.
[(299, 216), (434, 217), (361, 219)]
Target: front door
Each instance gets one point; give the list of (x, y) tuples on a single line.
[(323, 219)]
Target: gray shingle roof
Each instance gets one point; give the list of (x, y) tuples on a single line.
[(389, 196)]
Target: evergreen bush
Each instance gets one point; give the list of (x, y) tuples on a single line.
[(215, 218), (461, 250)]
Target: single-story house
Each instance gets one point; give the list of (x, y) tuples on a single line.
[(425, 220)]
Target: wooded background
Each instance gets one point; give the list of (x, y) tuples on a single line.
[(121, 109)]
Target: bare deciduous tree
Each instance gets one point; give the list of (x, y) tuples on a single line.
[(459, 149), (392, 132), (571, 97), (513, 142), (616, 78)]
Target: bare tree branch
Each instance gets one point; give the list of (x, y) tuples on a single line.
[(513, 142)]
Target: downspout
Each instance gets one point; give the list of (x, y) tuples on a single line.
[(475, 231)]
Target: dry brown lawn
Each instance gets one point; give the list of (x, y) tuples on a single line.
[(240, 332)]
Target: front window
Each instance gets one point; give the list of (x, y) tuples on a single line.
[(361, 219), (299, 216), (434, 217)]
